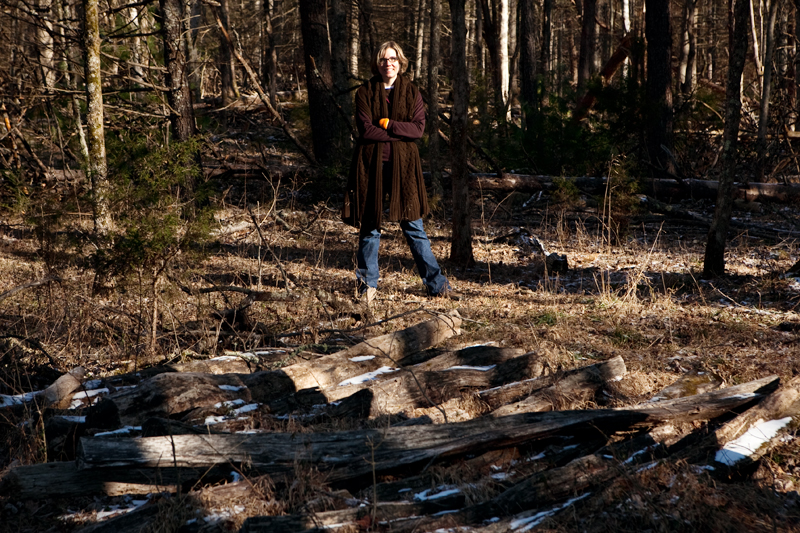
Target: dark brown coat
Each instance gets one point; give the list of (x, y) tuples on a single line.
[(408, 200)]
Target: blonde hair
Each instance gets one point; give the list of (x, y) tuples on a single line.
[(382, 50)]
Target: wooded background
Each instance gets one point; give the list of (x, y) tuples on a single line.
[(666, 89)]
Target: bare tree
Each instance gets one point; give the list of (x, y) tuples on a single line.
[(179, 97), (659, 84), (97, 165), (269, 61), (528, 68), (714, 262), (433, 97), (461, 243), (588, 43), (325, 120), (230, 90), (766, 87)]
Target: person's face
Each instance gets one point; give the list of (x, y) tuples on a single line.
[(389, 65)]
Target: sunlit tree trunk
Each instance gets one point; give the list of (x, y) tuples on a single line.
[(230, 91), (192, 9), (504, 55), (98, 171), (547, 32), (461, 242), (766, 88), (44, 43), (367, 30), (354, 39), (659, 84), (688, 43), (714, 261), (433, 96), (179, 98), (495, 36)]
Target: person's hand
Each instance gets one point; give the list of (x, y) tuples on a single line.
[(384, 122)]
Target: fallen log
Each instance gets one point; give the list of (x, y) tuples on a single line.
[(572, 387), (349, 455), (64, 386), (60, 479)]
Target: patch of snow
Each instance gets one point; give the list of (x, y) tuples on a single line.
[(536, 457), (407, 489), (467, 367), (92, 384), (72, 418), (223, 358), (246, 409), (446, 490), (235, 476), (369, 376), (526, 523), (120, 431), (229, 404), (232, 388), (500, 476), (752, 440), (362, 358)]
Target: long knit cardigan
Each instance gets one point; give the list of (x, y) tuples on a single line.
[(408, 200)]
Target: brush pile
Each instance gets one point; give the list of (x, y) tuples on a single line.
[(391, 434)]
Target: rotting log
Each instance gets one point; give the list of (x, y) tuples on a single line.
[(688, 384), (573, 386), (357, 454)]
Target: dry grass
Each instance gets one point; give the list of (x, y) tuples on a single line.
[(639, 296)]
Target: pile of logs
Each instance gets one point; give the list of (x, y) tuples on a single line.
[(380, 422)]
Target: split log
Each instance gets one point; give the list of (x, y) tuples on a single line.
[(358, 454), (64, 386), (571, 387)]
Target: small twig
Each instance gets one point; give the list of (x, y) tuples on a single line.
[(268, 247), (28, 285)]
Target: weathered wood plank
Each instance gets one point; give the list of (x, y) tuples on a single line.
[(351, 454)]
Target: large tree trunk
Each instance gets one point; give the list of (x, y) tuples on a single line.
[(496, 37), (230, 91), (366, 30), (193, 10), (325, 122), (181, 114), (98, 170), (420, 39), (269, 61), (44, 43), (588, 45), (659, 84), (354, 39), (64, 14), (688, 44), (547, 33), (527, 60), (433, 97), (461, 244), (766, 89), (340, 69), (714, 261)]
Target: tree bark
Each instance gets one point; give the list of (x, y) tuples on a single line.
[(269, 62), (433, 97), (326, 125), (340, 71), (179, 97), (714, 261), (461, 243), (97, 166), (230, 91), (766, 89), (588, 44), (659, 84), (527, 60)]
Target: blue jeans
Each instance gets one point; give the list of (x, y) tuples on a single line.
[(417, 239)]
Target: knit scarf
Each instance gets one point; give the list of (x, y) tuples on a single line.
[(363, 204)]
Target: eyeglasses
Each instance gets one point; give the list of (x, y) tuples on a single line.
[(386, 60)]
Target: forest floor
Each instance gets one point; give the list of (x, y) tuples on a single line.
[(638, 294)]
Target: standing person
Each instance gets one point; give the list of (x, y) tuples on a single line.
[(390, 116)]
